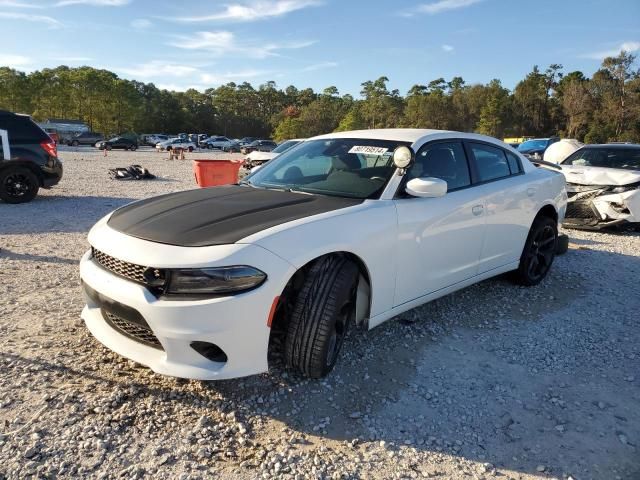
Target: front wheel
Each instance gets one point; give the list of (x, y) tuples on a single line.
[(322, 311), (133, 148), (190, 149), (18, 185), (75, 143), (538, 253)]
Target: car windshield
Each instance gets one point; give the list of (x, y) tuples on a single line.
[(285, 146), (624, 158), (342, 167), (532, 145)]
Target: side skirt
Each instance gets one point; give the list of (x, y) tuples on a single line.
[(383, 317)]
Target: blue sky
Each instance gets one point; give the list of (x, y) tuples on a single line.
[(316, 43)]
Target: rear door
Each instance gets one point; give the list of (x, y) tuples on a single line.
[(509, 203), (439, 239)]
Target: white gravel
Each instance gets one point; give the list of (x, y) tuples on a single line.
[(493, 381)]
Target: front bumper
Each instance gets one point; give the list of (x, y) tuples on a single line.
[(236, 324), (596, 209)]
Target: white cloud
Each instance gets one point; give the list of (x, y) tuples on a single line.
[(95, 3), (141, 23), (255, 10), (16, 4), (320, 66), (223, 42), (626, 46), (158, 68), (440, 6), (448, 48), (27, 17), (13, 61)]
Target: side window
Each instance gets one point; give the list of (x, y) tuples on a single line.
[(445, 160), (514, 163), (491, 162)]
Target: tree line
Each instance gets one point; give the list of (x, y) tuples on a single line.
[(602, 108)]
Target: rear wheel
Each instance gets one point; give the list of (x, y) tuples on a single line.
[(75, 143), (18, 185), (538, 253), (322, 311)]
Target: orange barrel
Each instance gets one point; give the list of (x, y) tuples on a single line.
[(210, 173)]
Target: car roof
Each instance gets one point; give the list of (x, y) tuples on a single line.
[(415, 136), (614, 145)]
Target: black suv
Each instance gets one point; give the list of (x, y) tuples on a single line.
[(85, 138), (28, 159)]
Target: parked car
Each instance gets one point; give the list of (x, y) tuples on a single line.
[(349, 228), (153, 140), (28, 159), (603, 185), (258, 145), (85, 138), (176, 143), (219, 142), (535, 148), (246, 140), (119, 142), (257, 158)]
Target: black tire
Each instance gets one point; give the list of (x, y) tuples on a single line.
[(538, 253), (168, 148), (190, 149), (321, 313), (108, 147), (75, 143), (18, 185), (133, 148)]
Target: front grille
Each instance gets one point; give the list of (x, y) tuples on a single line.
[(130, 271), (139, 332)]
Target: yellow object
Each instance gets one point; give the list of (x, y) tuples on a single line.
[(517, 139)]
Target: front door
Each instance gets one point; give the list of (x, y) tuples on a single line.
[(439, 239)]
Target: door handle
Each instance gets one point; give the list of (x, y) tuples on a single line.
[(477, 210), (531, 192)]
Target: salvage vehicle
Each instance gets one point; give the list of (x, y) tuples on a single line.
[(85, 138), (603, 185), (534, 149), (173, 143), (28, 159), (259, 146), (123, 143), (257, 157), (346, 229)]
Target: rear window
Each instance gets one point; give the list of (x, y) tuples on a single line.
[(22, 129), (491, 162)]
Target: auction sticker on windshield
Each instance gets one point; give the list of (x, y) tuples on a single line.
[(368, 149)]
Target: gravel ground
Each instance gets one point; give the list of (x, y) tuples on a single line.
[(492, 381)]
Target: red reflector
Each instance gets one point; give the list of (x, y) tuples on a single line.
[(272, 312), (49, 146)]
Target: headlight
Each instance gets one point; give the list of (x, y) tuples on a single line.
[(216, 280), (623, 189)]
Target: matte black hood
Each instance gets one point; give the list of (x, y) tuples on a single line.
[(218, 215)]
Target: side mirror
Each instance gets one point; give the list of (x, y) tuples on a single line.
[(428, 187), (403, 157)]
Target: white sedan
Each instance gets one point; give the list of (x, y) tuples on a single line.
[(603, 184), (176, 143), (257, 158), (346, 229)]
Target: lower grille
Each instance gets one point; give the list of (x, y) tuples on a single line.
[(582, 210), (139, 332)]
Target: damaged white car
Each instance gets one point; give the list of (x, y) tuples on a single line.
[(603, 185), (346, 229)]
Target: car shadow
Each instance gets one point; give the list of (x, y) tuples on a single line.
[(9, 255), (511, 385), (53, 212)]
